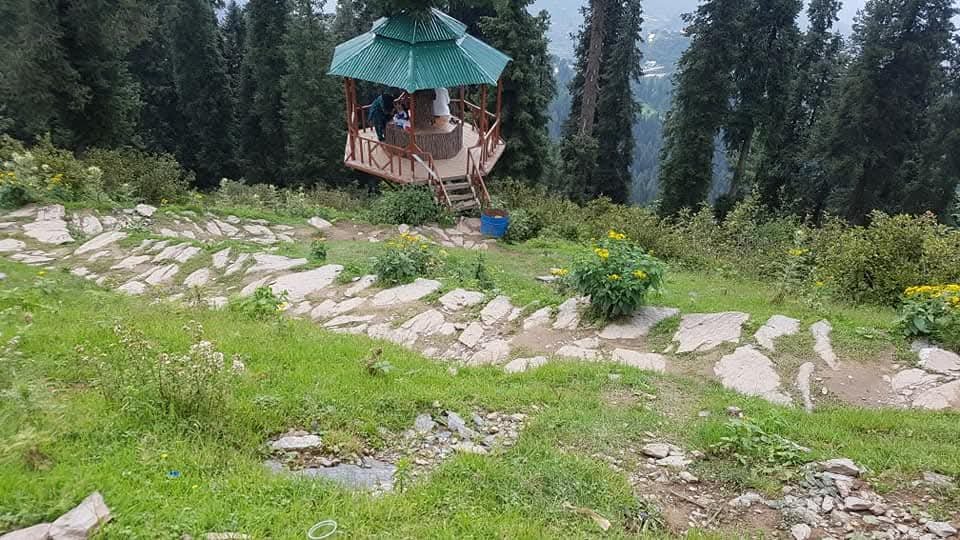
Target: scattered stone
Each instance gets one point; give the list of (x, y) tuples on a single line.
[(374, 475), (746, 500), (265, 262), (939, 360), (80, 271), (749, 372), (803, 385), (225, 536), (424, 424), (638, 325), (186, 254), (471, 335), (822, 346), (940, 397), (227, 228), (656, 450), (520, 365), (405, 293), (198, 278), (458, 299), (301, 284), (237, 264), (704, 331), (776, 327), (217, 302), (133, 288), (83, 521), (360, 285), (90, 225), (220, 258), (573, 351), (568, 314), (492, 352), (843, 466), (857, 504), (297, 442), (941, 528), (319, 223), (8, 245), (347, 319), (468, 447), (938, 480), (145, 210), (258, 230), (677, 461), (458, 425), (910, 377), (100, 242), (49, 228), (537, 319), (496, 310), (36, 532), (160, 274), (646, 361), (131, 262), (800, 531)]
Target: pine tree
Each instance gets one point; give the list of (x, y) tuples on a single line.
[(313, 101), (780, 181), (703, 87), (203, 91), (263, 141), (528, 87), (234, 32), (867, 146), (616, 108)]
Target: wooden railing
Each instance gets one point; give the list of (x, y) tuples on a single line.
[(475, 176)]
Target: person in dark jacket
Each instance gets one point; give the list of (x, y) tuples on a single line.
[(380, 112)]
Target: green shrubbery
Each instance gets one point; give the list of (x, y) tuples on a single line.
[(524, 225), (299, 202), (410, 205), (134, 176), (932, 311), (617, 276), (405, 258), (262, 305)]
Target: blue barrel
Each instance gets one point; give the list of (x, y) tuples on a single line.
[(494, 223)]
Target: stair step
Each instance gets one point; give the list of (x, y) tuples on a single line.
[(466, 205), (454, 186), (454, 197)]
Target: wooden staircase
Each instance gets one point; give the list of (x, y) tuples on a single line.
[(461, 196)]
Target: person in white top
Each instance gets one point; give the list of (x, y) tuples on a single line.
[(441, 106)]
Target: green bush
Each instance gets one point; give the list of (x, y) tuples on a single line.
[(617, 276), (932, 311), (262, 305), (757, 444), (132, 176), (47, 173), (298, 202), (318, 250), (876, 263), (410, 205), (405, 258), (523, 226)]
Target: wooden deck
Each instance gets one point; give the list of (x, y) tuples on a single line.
[(370, 156)]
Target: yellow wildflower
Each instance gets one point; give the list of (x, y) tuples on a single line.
[(614, 235), (614, 277), (819, 284), (602, 253), (163, 202), (283, 306), (42, 273), (796, 252), (639, 274), (559, 272)]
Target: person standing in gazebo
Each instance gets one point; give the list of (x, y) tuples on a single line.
[(380, 112), (441, 106)]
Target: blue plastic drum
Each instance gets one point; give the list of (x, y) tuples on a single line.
[(494, 223)]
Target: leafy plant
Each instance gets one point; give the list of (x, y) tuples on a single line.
[(130, 175), (262, 305), (932, 311), (405, 258), (617, 276), (318, 250), (375, 364), (752, 443), (411, 206), (524, 225)]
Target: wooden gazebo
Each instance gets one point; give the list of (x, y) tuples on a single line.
[(420, 52)]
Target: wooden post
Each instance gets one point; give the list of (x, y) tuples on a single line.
[(349, 106), (411, 142), (463, 104), (499, 109), (483, 109)]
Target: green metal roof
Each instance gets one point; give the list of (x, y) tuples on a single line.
[(419, 51)]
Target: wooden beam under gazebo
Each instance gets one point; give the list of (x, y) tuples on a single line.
[(419, 53)]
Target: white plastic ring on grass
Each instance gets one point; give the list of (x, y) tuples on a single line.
[(328, 526)]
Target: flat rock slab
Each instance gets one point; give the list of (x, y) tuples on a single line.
[(375, 475), (803, 384), (301, 284), (36, 532), (940, 361), (131, 262), (48, 231), (538, 319), (82, 521), (458, 299), (705, 331), (471, 335), (319, 223), (405, 293), (133, 288), (639, 324), (911, 377), (360, 285), (492, 352), (641, 360), (496, 310), (265, 262), (519, 365), (945, 396), (573, 351), (100, 242), (8, 245), (822, 346), (220, 258), (160, 274), (776, 327), (347, 319), (749, 372), (90, 225), (198, 278), (294, 442), (568, 314), (145, 210)]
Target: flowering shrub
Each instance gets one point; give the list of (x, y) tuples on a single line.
[(406, 258), (135, 373), (616, 276), (28, 177), (934, 311)]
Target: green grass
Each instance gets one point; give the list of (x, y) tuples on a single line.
[(300, 376)]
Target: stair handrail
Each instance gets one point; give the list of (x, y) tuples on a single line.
[(433, 179), (475, 177)]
